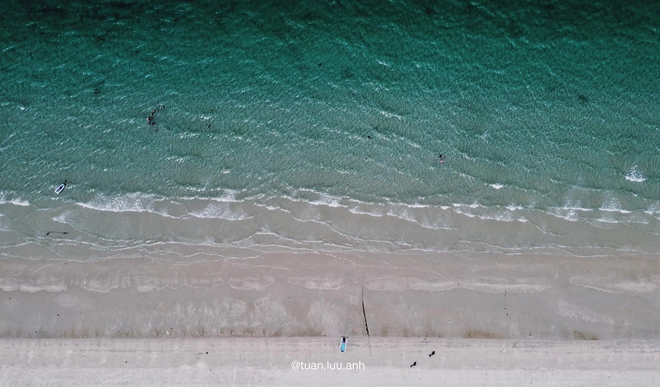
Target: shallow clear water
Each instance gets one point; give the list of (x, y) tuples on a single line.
[(318, 125)]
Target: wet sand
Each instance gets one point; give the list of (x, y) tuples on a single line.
[(450, 296), (490, 318)]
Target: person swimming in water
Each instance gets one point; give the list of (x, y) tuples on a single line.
[(442, 159)]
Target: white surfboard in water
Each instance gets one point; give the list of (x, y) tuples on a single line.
[(60, 188)]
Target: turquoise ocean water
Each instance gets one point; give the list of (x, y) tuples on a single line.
[(318, 125)]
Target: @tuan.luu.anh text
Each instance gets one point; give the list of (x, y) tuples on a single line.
[(328, 365)]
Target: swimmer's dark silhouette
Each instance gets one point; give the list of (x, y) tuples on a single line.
[(150, 119), (56, 232)]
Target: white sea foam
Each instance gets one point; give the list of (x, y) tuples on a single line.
[(564, 213), (63, 217), (635, 175), (415, 213), (390, 115), (216, 211), (228, 195), (327, 200), (421, 218), (613, 205), (485, 213), (606, 209), (19, 202), (504, 214), (578, 209), (15, 201), (374, 213), (473, 205), (403, 214), (504, 217), (653, 209), (497, 186), (607, 220), (133, 202)]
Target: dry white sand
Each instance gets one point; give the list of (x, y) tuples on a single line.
[(377, 361), (492, 320)]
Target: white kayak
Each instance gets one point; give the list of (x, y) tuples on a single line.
[(60, 188)]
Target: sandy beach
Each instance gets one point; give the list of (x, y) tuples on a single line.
[(317, 361), (449, 296), (495, 320), (246, 182)]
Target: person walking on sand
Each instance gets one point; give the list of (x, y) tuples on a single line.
[(432, 353), (413, 364)]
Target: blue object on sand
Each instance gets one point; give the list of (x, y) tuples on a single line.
[(344, 341)]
